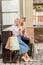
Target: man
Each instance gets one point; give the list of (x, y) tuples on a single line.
[(24, 36)]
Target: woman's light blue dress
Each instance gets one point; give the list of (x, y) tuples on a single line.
[(23, 47)]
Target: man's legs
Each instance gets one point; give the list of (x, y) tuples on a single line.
[(25, 39)]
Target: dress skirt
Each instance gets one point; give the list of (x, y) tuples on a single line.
[(23, 46)]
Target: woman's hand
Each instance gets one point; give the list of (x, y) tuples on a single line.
[(11, 31), (20, 32)]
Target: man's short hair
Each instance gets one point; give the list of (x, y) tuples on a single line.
[(24, 18)]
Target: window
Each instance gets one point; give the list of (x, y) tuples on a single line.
[(10, 11)]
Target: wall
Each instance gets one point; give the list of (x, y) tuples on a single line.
[(28, 12)]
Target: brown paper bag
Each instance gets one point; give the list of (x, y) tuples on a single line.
[(8, 44)]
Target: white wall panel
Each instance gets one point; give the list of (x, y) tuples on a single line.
[(10, 6), (8, 18)]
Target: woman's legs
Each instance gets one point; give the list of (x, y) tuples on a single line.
[(26, 58)]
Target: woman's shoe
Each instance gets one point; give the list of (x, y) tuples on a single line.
[(24, 59)]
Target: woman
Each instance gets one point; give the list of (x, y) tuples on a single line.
[(23, 47)]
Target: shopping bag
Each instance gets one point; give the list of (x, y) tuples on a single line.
[(12, 43), (7, 46)]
